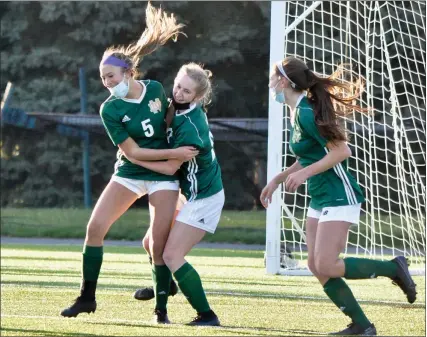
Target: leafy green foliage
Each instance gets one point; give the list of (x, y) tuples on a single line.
[(45, 43)]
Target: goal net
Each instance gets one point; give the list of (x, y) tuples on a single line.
[(384, 42)]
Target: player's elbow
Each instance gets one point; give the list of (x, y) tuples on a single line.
[(342, 150), (128, 152), (171, 170), (173, 166), (347, 152)]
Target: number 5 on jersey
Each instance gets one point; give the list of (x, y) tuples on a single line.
[(148, 128)]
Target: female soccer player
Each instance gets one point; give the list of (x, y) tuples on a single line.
[(200, 182), (147, 293), (134, 118), (319, 143)]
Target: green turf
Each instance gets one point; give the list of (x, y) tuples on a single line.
[(244, 227), (38, 281), (235, 226)]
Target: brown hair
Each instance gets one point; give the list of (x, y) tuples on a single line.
[(202, 78), (160, 28), (331, 96)]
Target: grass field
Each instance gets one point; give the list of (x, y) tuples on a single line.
[(38, 281), (235, 226), (244, 227)]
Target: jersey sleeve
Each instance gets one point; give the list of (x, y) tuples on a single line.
[(307, 123), (113, 126), (188, 137)]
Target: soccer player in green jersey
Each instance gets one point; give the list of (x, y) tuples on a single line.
[(200, 182), (134, 118), (319, 143)]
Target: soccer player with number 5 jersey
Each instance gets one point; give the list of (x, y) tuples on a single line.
[(134, 118)]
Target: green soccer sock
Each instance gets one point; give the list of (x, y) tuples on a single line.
[(92, 261), (191, 286), (339, 292), (161, 279), (358, 268)]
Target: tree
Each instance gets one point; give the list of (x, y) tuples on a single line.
[(45, 43)]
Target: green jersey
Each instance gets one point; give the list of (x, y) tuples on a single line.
[(200, 177), (143, 120), (334, 187)]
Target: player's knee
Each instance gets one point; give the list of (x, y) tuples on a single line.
[(156, 249), (312, 266), (168, 256), (94, 231), (324, 267), (146, 243)]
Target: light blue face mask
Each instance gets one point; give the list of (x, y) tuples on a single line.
[(278, 97)]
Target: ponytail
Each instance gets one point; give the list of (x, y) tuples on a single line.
[(333, 98), (160, 28)]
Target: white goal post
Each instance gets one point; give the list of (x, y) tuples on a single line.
[(384, 42)]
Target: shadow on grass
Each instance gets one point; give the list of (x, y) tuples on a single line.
[(255, 331), (197, 252), (226, 328), (144, 278), (28, 258), (69, 285), (285, 283), (24, 258), (31, 332), (133, 325), (77, 273), (299, 297), (225, 293)]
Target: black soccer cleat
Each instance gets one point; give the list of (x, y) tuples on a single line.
[(356, 329), (146, 294), (161, 316), (208, 318), (80, 305), (404, 280)]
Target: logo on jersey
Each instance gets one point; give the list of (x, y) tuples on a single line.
[(155, 106), (296, 135), (325, 212), (202, 221), (125, 119)]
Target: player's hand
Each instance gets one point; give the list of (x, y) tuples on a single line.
[(267, 193), (295, 180), (185, 153)]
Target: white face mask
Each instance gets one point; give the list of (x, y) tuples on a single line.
[(121, 89)]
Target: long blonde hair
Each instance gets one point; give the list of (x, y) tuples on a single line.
[(161, 27), (203, 79)]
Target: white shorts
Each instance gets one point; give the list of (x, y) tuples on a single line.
[(203, 213), (142, 187), (350, 213)]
